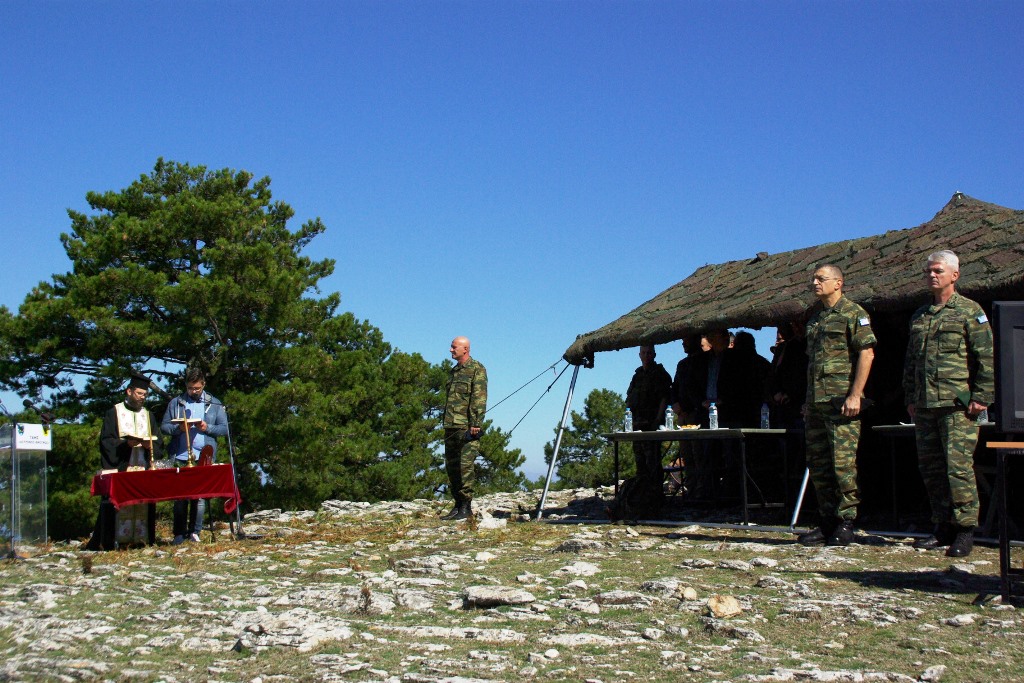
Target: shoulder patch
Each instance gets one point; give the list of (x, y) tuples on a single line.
[(864, 321), (982, 318)]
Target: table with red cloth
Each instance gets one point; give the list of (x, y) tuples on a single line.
[(172, 483)]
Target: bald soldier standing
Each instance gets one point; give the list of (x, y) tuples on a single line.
[(840, 350), (948, 378), (464, 410)]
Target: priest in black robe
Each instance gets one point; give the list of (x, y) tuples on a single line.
[(128, 438)]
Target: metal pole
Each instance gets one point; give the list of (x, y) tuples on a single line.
[(234, 474), (800, 498), (558, 442)]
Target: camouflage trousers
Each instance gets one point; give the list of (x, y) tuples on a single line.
[(946, 438), (831, 448), (459, 459), (650, 474)]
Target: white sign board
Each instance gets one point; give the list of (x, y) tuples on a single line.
[(31, 437)]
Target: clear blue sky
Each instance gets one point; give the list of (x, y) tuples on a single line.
[(518, 172)]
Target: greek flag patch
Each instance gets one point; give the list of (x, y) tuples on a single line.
[(864, 322), (982, 318)]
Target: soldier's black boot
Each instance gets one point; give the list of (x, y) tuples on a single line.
[(942, 535), (843, 534), (817, 536), (465, 511), (963, 544), (454, 512)]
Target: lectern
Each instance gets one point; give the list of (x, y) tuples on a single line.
[(23, 449)]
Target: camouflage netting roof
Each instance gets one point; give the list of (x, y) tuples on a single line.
[(883, 272)]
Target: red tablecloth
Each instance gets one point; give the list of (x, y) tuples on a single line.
[(185, 483)]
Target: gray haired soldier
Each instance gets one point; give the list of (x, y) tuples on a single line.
[(840, 350), (464, 409), (948, 379)]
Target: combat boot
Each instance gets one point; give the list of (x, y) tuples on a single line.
[(843, 534), (465, 511), (963, 544), (942, 535), (818, 536), (453, 513)]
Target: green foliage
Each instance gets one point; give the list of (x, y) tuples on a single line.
[(190, 267), (497, 467), (585, 459), (71, 514)]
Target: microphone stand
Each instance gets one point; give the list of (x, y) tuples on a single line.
[(239, 534)]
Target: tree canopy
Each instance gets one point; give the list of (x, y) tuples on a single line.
[(585, 459), (188, 267)]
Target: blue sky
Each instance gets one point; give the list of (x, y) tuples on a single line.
[(518, 172)]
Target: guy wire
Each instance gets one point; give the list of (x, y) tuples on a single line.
[(539, 397), (550, 367)]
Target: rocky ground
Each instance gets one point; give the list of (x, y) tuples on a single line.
[(388, 592)]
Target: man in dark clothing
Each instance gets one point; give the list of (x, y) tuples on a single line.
[(687, 412), (787, 384), (127, 439), (647, 398), (717, 376)]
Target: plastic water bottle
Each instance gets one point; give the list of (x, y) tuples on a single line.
[(765, 416), (627, 423), (983, 416), (713, 416), (670, 419)]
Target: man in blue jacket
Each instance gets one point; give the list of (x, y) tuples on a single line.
[(206, 420)]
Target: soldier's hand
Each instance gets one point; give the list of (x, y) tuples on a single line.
[(474, 431), (974, 408), (911, 409), (851, 406)]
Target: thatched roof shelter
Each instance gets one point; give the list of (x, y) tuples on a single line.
[(883, 273)]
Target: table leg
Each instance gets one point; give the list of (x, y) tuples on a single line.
[(892, 476), (616, 449), (743, 479), (1004, 537)]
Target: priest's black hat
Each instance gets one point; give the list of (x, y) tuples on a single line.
[(138, 381)]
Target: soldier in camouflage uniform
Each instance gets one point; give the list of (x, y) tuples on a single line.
[(647, 397), (948, 379), (840, 350), (464, 409)]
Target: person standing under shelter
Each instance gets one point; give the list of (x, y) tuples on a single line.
[(464, 409), (682, 403), (127, 439), (206, 421), (647, 398), (840, 350), (787, 384), (948, 379), (715, 376)]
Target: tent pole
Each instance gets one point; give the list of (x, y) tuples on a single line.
[(558, 442), (800, 498)]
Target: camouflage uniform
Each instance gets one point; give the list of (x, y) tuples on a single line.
[(835, 338), (948, 365), (648, 394), (465, 406)]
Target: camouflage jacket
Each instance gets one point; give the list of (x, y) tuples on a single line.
[(835, 337), (648, 393), (466, 401), (949, 355)]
